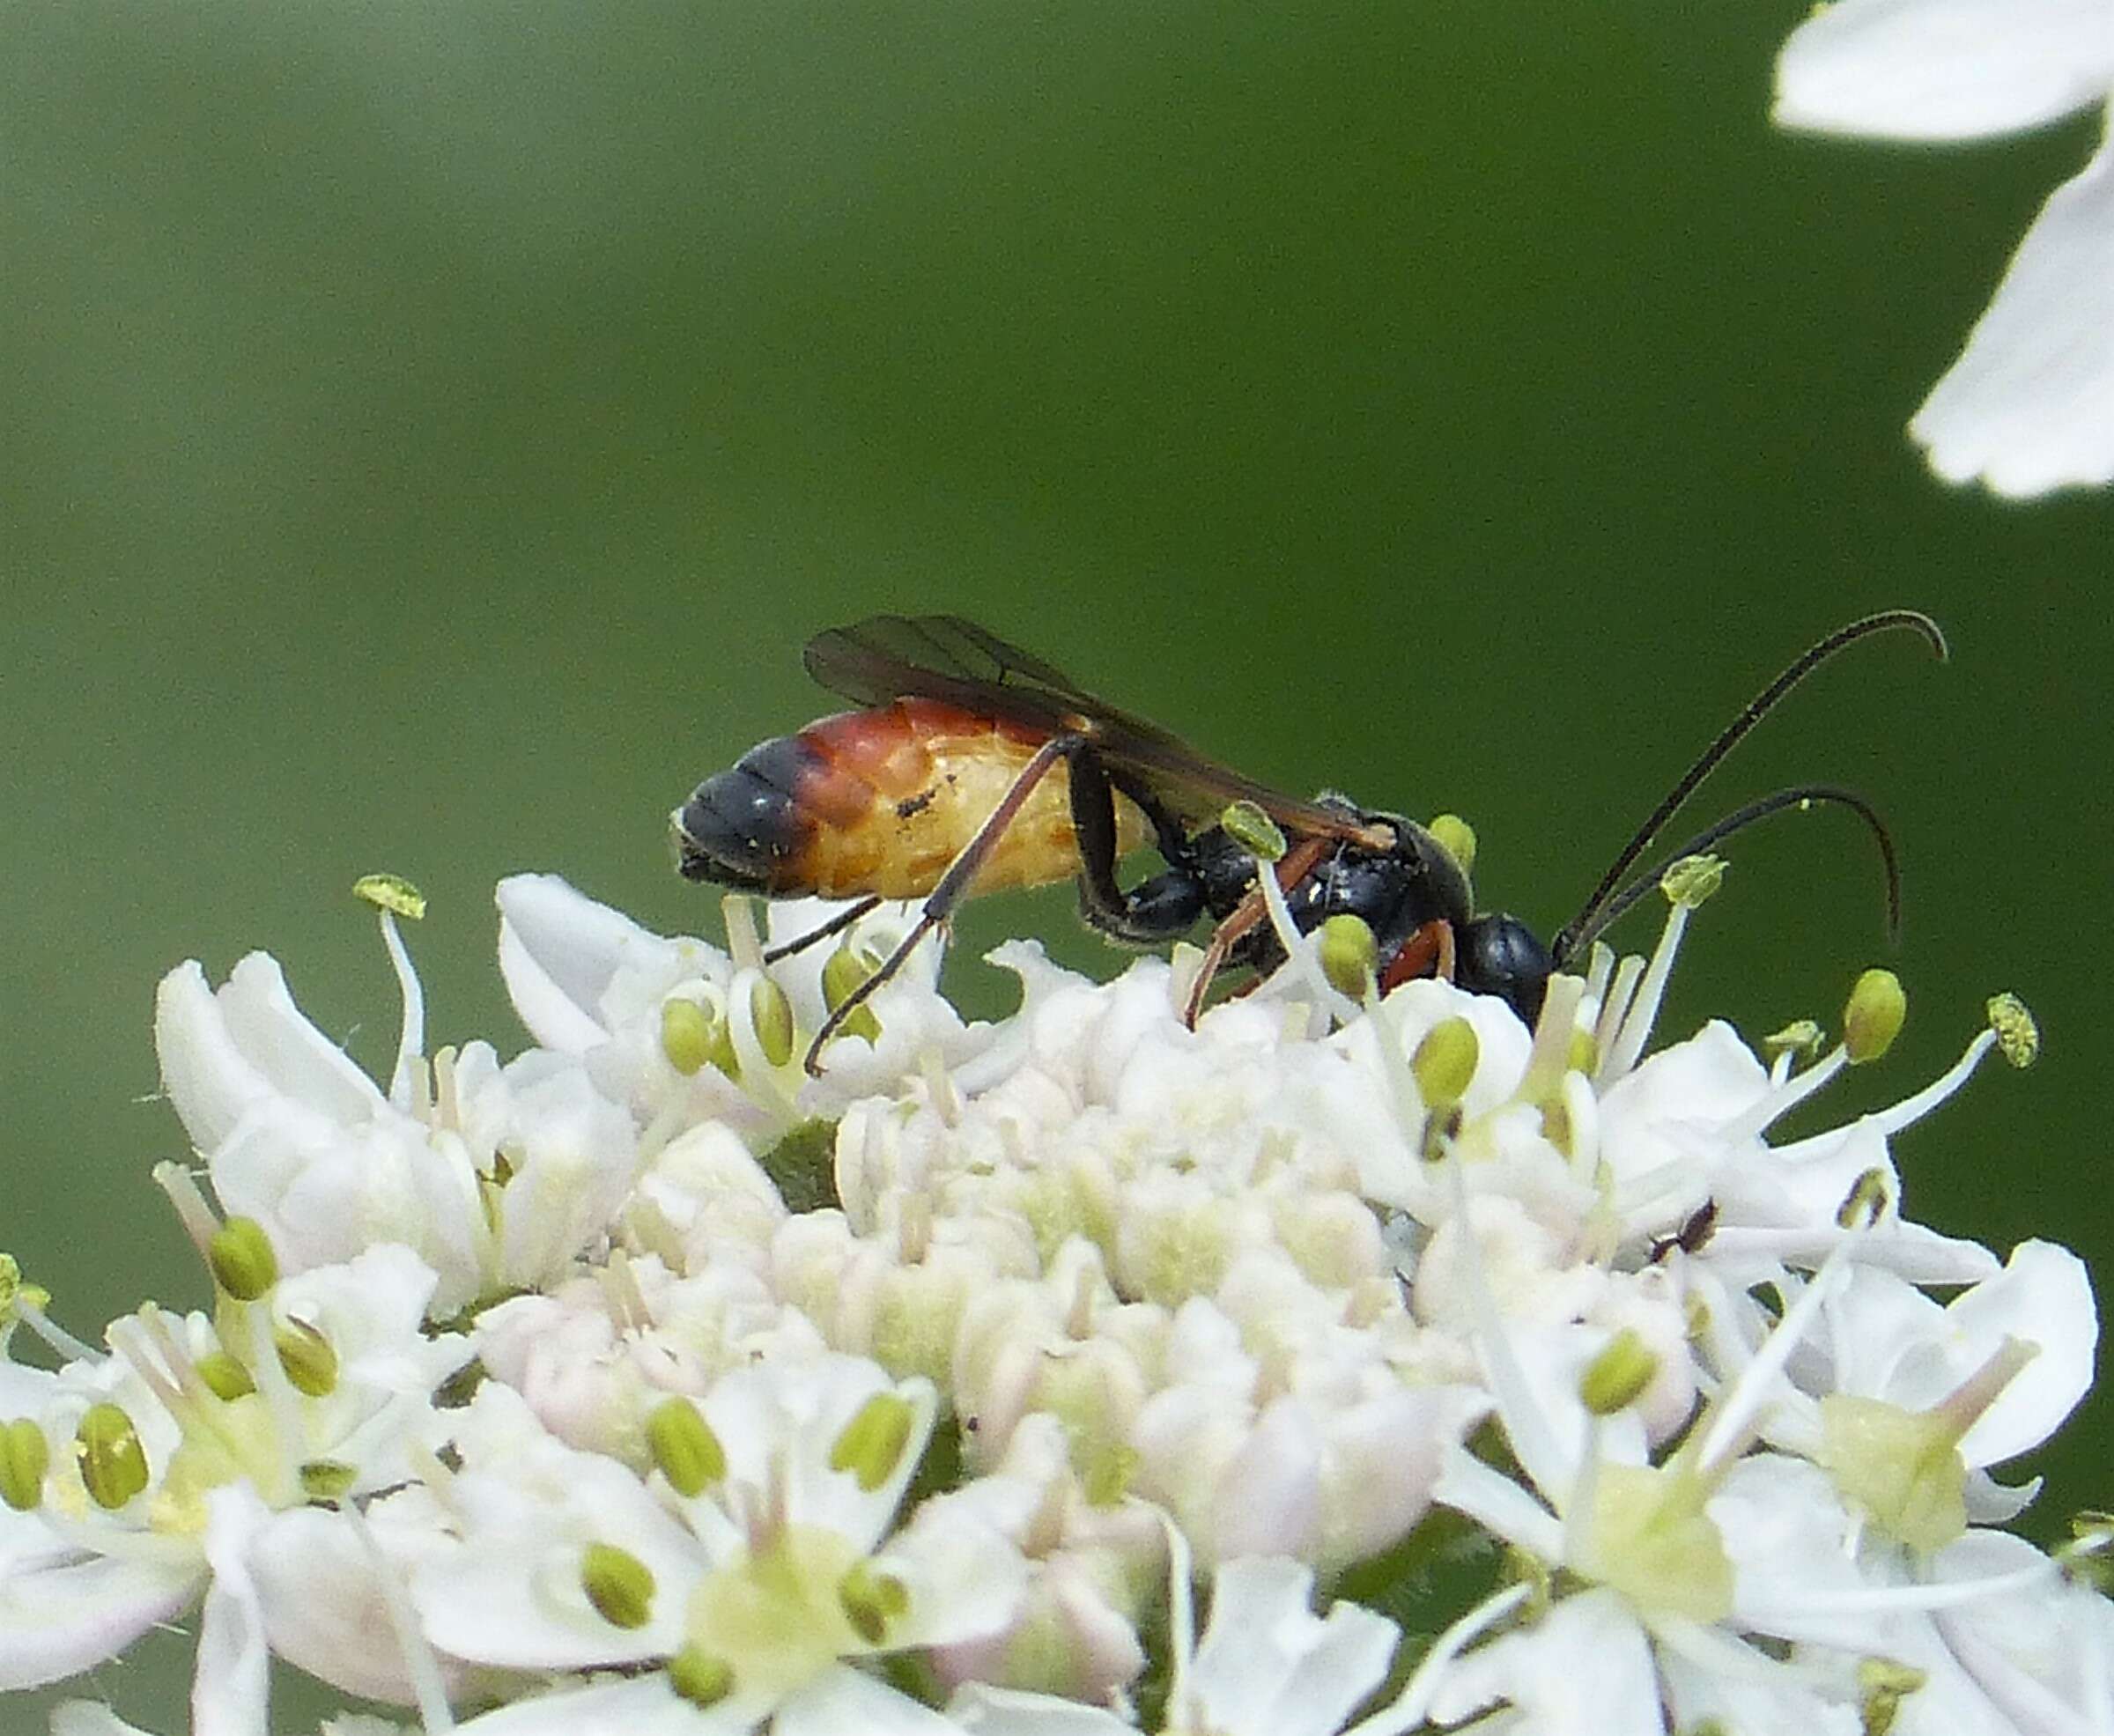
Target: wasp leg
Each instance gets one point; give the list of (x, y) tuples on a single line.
[(1429, 952), (1293, 866), (1157, 910), (836, 925), (953, 885)]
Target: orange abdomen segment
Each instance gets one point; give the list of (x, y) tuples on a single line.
[(894, 795)]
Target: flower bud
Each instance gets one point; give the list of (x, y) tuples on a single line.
[(684, 1446), (25, 1457), (242, 1259), (112, 1460), (617, 1583), (1873, 1020)]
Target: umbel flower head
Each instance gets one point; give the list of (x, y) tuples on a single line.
[(1072, 1373)]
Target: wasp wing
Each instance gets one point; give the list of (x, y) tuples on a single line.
[(889, 657)]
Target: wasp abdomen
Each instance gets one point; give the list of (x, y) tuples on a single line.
[(881, 801), (748, 826)]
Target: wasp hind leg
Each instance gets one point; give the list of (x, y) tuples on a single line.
[(1162, 908)]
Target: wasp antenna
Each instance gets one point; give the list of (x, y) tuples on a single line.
[(1594, 917), (1614, 908)]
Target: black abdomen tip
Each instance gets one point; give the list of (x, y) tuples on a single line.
[(743, 827)]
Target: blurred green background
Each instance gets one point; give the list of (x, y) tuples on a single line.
[(431, 433)]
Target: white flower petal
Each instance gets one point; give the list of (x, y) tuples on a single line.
[(56, 1622), (2030, 405), (843, 1700), (1269, 1667), (1944, 69), (646, 1706), (230, 1689), (89, 1717), (1584, 1670), (2043, 1296), (1007, 1711)]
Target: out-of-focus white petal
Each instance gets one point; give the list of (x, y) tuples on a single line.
[(1944, 69), (223, 1054), (230, 1692), (560, 953), (2045, 1296), (843, 1700), (1007, 1711), (1585, 1669), (1269, 1667), (2030, 405), (56, 1622), (645, 1706)]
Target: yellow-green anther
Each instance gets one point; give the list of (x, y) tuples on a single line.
[(15, 1290), (848, 968), (112, 1460), (773, 1015), (871, 1599), (1866, 1200), (242, 1259), (700, 1677), (1613, 1379), (871, 1445), (225, 1376), (25, 1457), (305, 1355), (1457, 837), (1691, 880), (1801, 1039), (688, 1038), (391, 892), (617, 1583), (1445, 1061), (1873, 1020), (328, 1480), (1348, 953), (684, 1448), (2018, 1036), (1881, 1686), (1254, 831)]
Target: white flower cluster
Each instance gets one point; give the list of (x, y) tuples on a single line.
[(645, 1384)]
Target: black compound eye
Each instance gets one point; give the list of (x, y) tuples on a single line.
[(1500, 956)]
